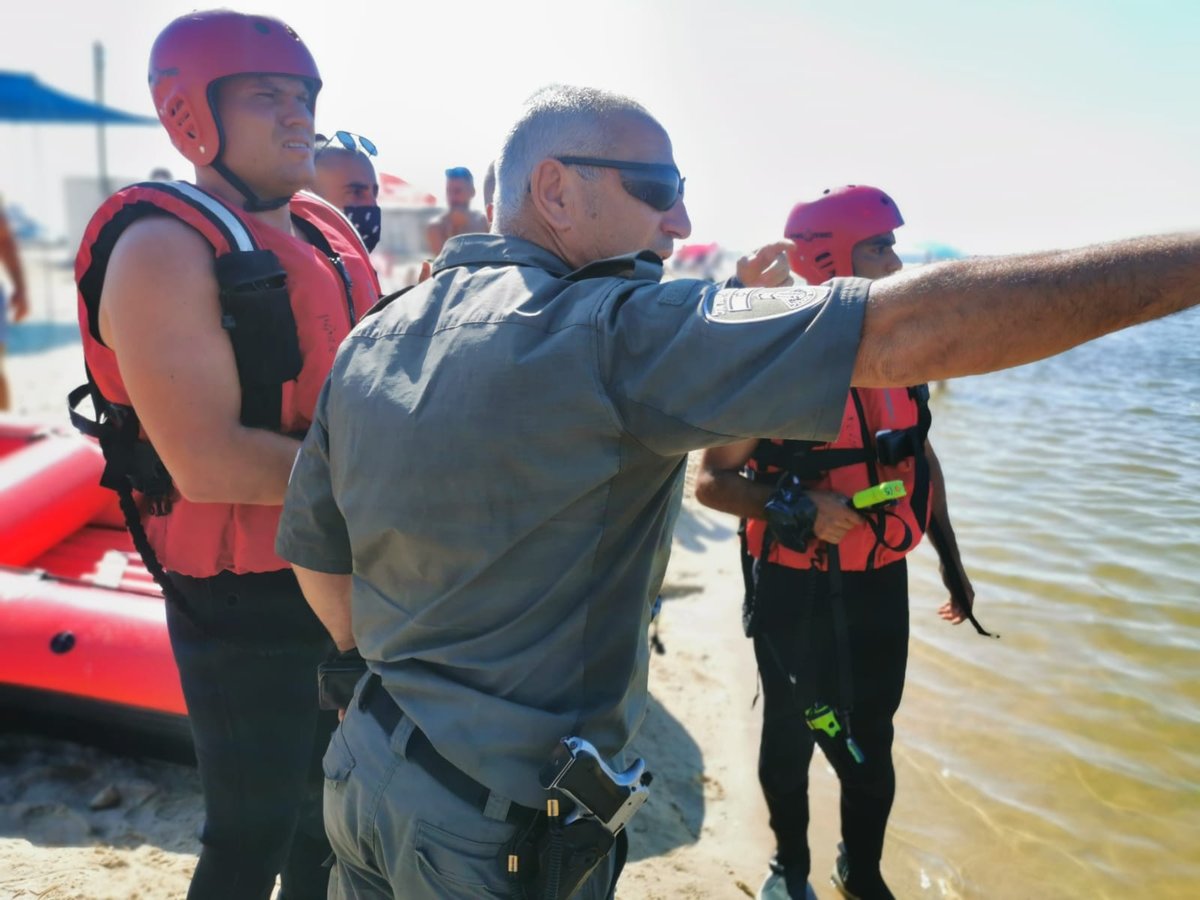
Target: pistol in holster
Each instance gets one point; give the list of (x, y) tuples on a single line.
[(588, 806)]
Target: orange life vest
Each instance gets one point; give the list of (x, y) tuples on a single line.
[(329, 285), (885, 535)]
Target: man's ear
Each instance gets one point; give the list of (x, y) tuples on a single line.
[(551, 192)]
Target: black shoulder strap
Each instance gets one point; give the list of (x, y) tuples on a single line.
[(317, 238), (920, 500), (802, 459)]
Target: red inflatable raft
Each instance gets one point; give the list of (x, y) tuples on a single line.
[(83, 630)]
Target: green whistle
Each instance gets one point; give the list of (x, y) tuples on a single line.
[(879, 493)]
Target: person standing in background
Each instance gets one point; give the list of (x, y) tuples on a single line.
[(13, 307), (346, 178), (458, 218)]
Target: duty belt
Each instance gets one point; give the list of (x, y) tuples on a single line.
[(378, 703)]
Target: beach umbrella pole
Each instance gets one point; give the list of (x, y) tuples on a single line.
[(101, 143)]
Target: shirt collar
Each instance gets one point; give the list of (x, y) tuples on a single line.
[(498, 249)]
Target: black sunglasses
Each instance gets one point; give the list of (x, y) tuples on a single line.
[(349, 140), (658, 185)]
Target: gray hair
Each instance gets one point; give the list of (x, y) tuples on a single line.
[(558, 120)]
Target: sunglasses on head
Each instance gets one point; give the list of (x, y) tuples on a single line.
[(658, 185), (349, 141)]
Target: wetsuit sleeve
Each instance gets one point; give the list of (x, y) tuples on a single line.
[(312, 532), (687, 364)]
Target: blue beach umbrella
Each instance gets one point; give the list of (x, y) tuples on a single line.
[(25, 99)]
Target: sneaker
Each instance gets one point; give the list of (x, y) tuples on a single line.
[(841, 881), (779, 886)]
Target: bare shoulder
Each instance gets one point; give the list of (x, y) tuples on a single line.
[(160, 242), (479, 222), (160, 275)]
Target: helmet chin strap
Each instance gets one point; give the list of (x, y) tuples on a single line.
[(253, 203)]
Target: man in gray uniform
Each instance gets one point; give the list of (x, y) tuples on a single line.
[(497, 463)]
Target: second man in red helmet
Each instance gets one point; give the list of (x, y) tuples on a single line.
[(827, 586)]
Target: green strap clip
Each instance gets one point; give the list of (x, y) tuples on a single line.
[(821, 717), (876, 494)]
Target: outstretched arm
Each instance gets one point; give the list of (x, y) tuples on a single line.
[(980, 315)]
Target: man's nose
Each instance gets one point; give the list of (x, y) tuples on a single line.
[(676, 222), (894, 263), (297, 111)]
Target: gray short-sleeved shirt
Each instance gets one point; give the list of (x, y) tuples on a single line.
[(498, 459)]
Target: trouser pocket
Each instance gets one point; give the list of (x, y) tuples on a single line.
[(457, 867)]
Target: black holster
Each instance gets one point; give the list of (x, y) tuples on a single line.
[(553, 860), (337, 677)]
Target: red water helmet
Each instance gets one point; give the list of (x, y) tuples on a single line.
[(197, 50), (825, 230)]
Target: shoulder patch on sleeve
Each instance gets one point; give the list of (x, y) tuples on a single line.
[(738, 306)]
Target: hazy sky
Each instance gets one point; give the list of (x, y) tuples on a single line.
[(997, 126)]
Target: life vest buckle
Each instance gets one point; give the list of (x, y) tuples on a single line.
[(893, 446)]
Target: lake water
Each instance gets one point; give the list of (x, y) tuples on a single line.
[(1063, 760)]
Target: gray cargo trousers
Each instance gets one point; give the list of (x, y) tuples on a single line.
[(397, 833)]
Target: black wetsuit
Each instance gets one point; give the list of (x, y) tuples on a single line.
[(795, 638)]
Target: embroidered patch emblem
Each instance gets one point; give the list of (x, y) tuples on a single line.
[(741, 305)]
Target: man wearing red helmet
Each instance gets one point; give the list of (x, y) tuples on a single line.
[(210, 315), (827, 586)]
